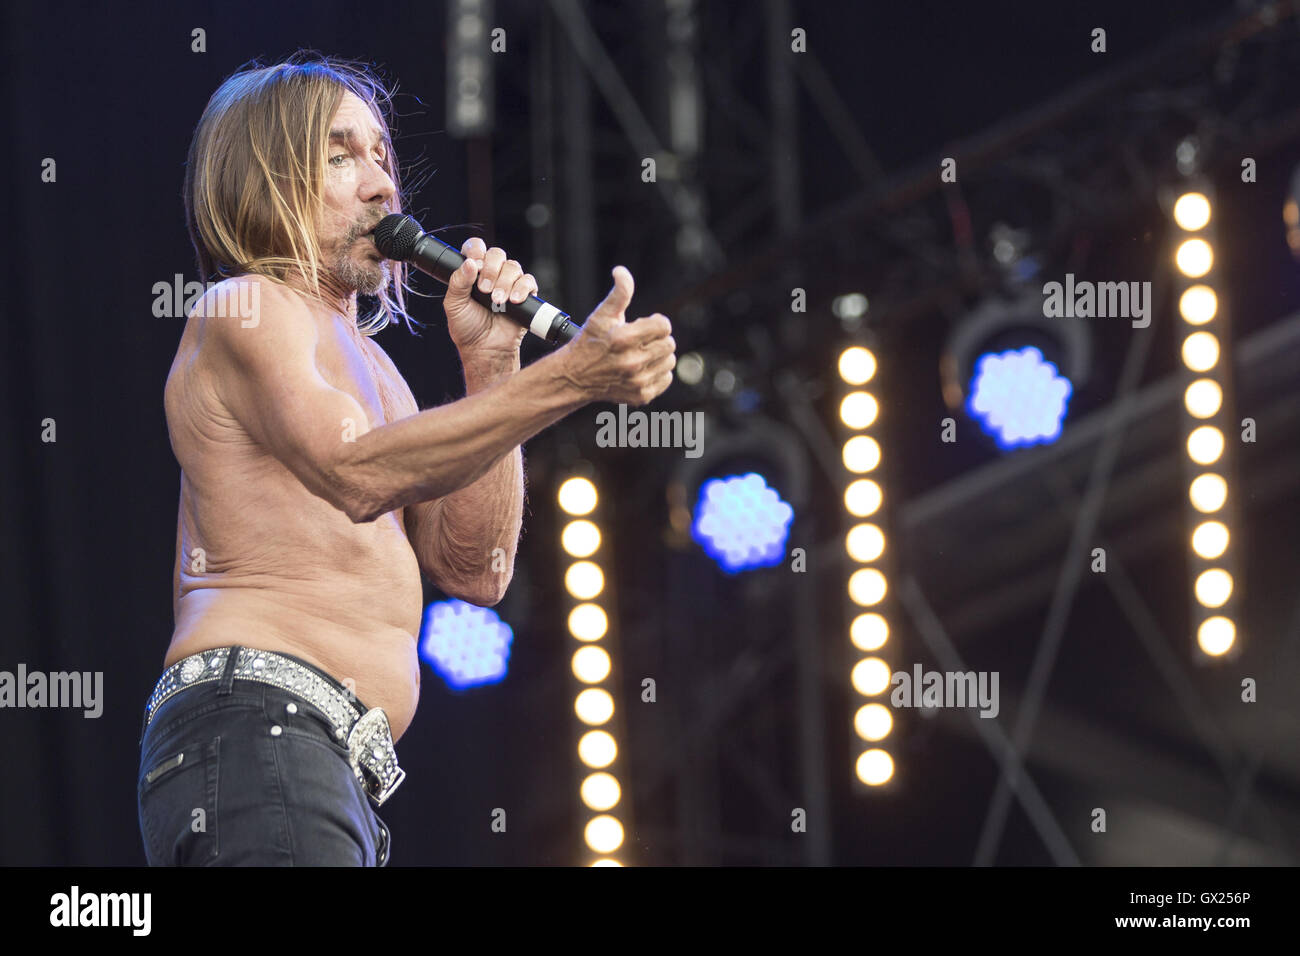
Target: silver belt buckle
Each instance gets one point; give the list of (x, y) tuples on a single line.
[(373, 756)]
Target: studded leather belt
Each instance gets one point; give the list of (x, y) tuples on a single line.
[(367, 735)]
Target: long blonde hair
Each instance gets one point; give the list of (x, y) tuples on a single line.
[(253, 178)]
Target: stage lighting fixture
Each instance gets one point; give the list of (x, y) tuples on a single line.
[(859, 410), (1198, 304), (1194, 258), (1203, 398), (604, 834), (596, 748), (864, 545), (1210, 539), (1205, 445), (577, 496), (584, 580), (865, 542), (594, 706), (1018, 397), (861, 454), (862, 498), (1200, 351), (592, 664), (869, 631), (1192, 211), (1013, 370), (867, 587), (1216, 635), (1213, 587), (580, 538), (857, 365), (1207, 419), (469, 69), (741, 523), (1208, 493), (466, 645), (690, 368), (870, 676), (588, 622), (850, 306), (875, 767), (600, 791), (738, 500), (873, 722)]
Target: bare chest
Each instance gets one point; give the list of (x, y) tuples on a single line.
[(352, 364)]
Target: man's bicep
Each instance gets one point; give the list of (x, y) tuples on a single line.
[(269, 380)]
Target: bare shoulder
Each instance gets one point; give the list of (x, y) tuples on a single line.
[(254, 346), (252, 318)]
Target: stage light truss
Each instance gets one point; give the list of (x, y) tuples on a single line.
[(864, 542), (1209, 434), (592, 665)]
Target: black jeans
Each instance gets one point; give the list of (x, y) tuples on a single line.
[(232, 775)]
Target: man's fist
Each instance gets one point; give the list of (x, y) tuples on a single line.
[(473, 327), (613, 360)]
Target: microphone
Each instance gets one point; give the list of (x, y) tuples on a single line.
[(400, 237)]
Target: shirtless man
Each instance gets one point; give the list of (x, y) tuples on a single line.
[(314, 492)]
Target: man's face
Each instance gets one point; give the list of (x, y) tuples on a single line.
[(357, 195)]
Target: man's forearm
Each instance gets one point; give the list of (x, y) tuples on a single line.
[(443, 450), (466, 540)]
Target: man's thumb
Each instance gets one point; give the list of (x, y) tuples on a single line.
[(462, 280), (620, 296)]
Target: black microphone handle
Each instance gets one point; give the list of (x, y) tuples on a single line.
[(434, 257)]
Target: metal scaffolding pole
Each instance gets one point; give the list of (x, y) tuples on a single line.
[(812, 720), (1008, 756), (885, 198), (785, 119), (543, 212), (580, 283), (1072, 569), (593, 55), (1244, 784)]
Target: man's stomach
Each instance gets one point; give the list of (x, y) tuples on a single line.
[(364, 638)]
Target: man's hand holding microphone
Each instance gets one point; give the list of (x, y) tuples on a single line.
[(611, 359)]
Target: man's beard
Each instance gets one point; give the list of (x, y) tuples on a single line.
[(366, 277)]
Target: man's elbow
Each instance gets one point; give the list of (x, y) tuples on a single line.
[(362, 512), (484, 599), (485, 592), (346, 490), (359, 509)]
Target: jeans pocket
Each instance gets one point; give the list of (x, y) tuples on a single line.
[(299, 717), (177, 798), (197, 703)]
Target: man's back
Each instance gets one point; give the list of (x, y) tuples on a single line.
[(261, 560)]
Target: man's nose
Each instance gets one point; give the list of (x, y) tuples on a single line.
[(378, 186)]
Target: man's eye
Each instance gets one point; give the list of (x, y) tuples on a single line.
[(338, 156)]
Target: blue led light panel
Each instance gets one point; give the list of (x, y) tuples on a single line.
[(741, 523), (1018, 397), (465, 644)]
